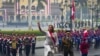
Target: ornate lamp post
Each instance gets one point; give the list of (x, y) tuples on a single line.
[(97, 14), (62, 16), (29, 15)]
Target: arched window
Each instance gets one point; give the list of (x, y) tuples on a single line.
[(22, 7), (33, 7)]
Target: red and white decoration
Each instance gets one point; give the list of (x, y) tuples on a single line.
[(73, 10)]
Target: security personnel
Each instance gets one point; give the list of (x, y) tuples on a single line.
[(8, 44), (20, 43), (4, 45), (33, 43), (0, 45), (14, 46), (68, 45), (27, 43)]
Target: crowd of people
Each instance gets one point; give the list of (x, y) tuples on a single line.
[(64, 40), (12, 44), (79, 39)]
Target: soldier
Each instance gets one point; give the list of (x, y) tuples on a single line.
[(33, 43), (27, 44), (68, 45), (0, 43), (8, 43), (60, 35), (14, 46), (4, 45), (20, 42)]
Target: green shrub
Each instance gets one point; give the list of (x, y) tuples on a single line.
[(37, 33)]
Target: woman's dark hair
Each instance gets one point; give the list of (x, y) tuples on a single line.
[(52, 28)]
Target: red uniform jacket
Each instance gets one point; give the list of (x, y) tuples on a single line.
[(84, 47)]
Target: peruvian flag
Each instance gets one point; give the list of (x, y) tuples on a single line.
[(73, 10)]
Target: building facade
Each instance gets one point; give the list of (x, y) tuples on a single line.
[(42, 10)]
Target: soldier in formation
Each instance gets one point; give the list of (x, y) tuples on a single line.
[(11, 45)]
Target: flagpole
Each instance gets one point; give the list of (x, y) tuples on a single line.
[(29, 15), (70, 17)]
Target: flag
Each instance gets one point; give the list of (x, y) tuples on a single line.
[(73, 10), (17, 5)]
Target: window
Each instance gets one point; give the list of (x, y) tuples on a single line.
[(22, 7), (48, 18), (18, 17), (43, 18), (57, 17), (23, 17), (1, 18), (38, 17), (11, 18), (53, 17), (33, 17)]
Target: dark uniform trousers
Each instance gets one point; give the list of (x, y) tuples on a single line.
[(33, 48), (0, 47), (27, 49), (20, 49), (68, 51), (67, 47), (14, 51)]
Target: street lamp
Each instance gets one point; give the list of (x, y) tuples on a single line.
[(29, 15), (97, 14), (62, 17), (91, 8)]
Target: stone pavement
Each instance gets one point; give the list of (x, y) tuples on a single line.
[(40, 51), (92, 51)]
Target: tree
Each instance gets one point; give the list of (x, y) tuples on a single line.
[(40, 4)]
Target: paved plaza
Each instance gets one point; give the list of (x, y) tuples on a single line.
[(40, 51)]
